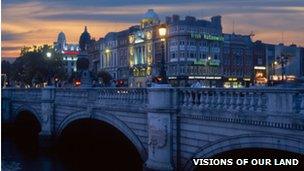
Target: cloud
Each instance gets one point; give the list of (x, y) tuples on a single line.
[(28, 22)]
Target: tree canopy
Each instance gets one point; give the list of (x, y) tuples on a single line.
[(37, 65)]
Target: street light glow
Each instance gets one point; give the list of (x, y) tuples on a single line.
[(162, 30), (48, 54)]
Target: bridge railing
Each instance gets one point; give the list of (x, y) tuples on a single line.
[(252, 100), (23, 94), (71, 95), (122, 96), (270, 100), (103, 96)]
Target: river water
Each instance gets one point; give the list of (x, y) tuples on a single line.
[(16, 157), (83, 148)]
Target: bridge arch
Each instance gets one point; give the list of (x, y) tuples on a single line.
[(111, 120), (29, 109), (274, 142)]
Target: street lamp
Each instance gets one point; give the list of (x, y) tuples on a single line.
[(162, 30), (48, 54), (283, 60)]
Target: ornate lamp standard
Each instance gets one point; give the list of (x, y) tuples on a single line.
[(162, 30), (282, 60), (49, 81)]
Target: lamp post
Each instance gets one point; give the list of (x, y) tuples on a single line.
[(49, 82), (162, 30), (282, 60), (49, 54)]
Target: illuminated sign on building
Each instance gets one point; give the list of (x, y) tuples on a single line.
[(203, 77), (214, 62), (214, 38), (201, 62), (260, 67), (71, 52), (206, 36), (232, 79), (196, 36)]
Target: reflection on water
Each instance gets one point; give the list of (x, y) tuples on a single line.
[(84, 145), (16, 157)]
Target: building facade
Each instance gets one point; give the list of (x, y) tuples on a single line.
[(94, 54), (237, 60), (194, 50), (286, 64), (108, 50), (69, 52), (259, 63)]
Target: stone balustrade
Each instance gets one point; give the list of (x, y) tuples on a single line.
[(122, 96), (24, 94), (249, 100), (270, 100)]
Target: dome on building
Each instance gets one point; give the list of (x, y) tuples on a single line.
[(61, 38), (150, 18), (61, 42), (84, 39)]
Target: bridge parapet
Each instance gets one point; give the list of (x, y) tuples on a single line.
[(125, 98), (279, 101), (273, 107), (122, 96), (23, 94)]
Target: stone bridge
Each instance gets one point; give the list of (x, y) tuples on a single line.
[(170, 126)]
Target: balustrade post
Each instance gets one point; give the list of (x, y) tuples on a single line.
[(196, 99), (259, 103), (245, 101), (202, 100), (190, 104), (302, 105), (231, 102), (219, 101), (239, 101), (213, 99), (252, 102), (226, 100), (207, 100)]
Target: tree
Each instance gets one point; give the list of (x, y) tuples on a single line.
[(5, 72), (34, 67), (5, 67), (105, 77)]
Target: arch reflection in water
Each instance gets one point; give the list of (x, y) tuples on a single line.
[(26, 131)]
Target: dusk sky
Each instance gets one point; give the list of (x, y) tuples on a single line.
[(29, 22)]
